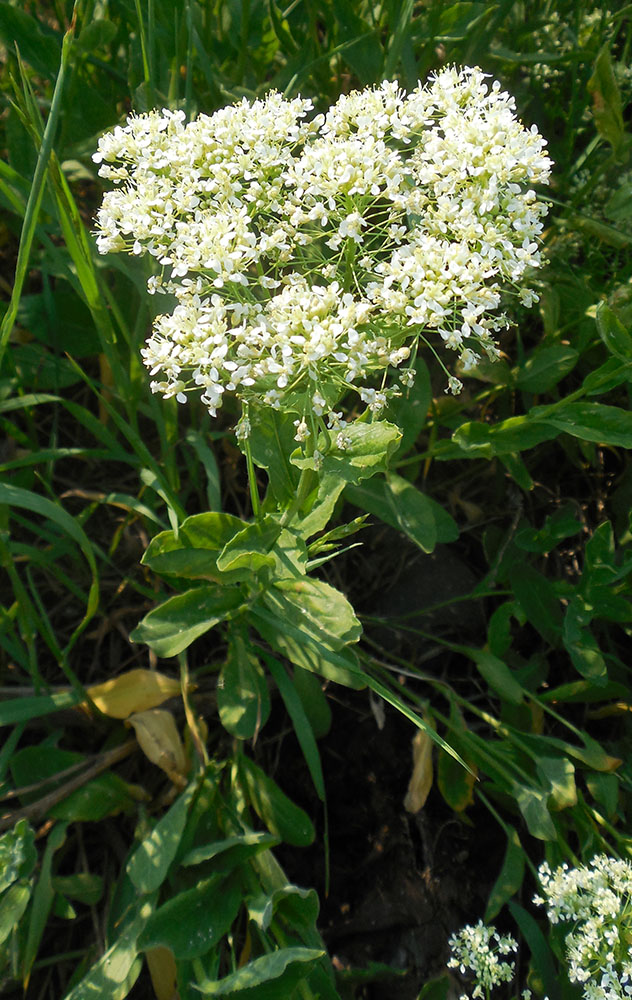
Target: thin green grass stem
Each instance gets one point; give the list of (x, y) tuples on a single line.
[(37, 190)]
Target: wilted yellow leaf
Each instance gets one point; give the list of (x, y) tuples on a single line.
[(159, 739), (135, 691), (162, 969), (421, 779)]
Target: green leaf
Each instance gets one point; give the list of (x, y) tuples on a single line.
[(591, 422), (18, 854), (302, 647), (299, 907), (97, 34), (613, 333), (23, 709), (272, 806), (84, 887), (272, 441), (532, 805), (194, 551), (541, 955), (497, 674), (251, 547), (243, 699), (13, 903), (559, 774), (604, 789), (39, 50), (509, 881), (513, 435), (43, 895), (310, 691), (194, 921), (537, 599), (174, 625), (260, 970), (581, 644), (368, 451), (315, 606), (300, 722), (607, 109), (398, 503), (150, 862), (239, 848), (105, 795), (118, 969), (545, 368)]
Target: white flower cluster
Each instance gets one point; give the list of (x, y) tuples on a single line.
[(597, 899), (309, 254), (480, 950)]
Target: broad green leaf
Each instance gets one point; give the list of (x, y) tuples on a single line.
[(560, 525), (513, 435), (259, 971), (604, 789), (84, 887), (238, 848), (251, 547), (97, 34), (150, 862), (13, 903), (497, 674), (18, 854), (40, 50), (368, 451), (619, 204), (607, 108), (437, 988), (509, 881), (609, 375), (455, 783), (617, 339), (194, 921), (592, 422), (194, 551), (106, 795), (242, 691), (302, 647), (174, 625), (272, 806), (545, 368), (582, 646), (316, 606), (298, 906), (532, 805), (401, 505), (300, 722), (118, 969), (559, 774), (536, 597)]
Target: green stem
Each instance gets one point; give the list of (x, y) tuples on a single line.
[(252, 481)]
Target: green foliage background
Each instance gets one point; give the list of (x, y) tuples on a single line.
[(526, 476)]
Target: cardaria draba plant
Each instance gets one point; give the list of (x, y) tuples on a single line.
[(596, 899), (310, 254)]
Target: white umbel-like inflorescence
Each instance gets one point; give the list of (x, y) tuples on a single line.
[(310, 254), (596, 900)]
